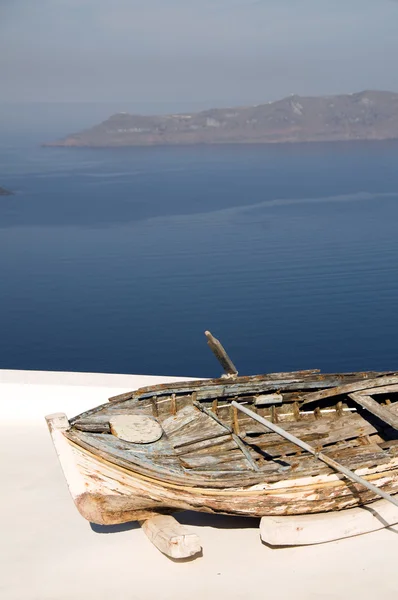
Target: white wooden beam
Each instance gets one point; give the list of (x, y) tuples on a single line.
[(171, 538), (300, 530)]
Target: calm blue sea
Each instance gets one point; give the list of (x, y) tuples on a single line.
[(117, 260)]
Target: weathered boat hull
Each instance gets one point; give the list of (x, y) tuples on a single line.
[(215, 446), (105, 493)]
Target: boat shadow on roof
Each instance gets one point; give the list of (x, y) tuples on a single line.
[(119, 528), (217, 521), (188, 517)]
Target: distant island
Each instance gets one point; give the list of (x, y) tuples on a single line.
[(368, 115), (4, 192)]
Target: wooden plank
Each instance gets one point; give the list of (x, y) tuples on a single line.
[(349, 388), (170, 537), (210, 414), (384, 389), (355, 457), (275, 448), (222, 460), (92, 426), (228, 389), (372, 406), (248, 383), (350, 425), (253, 465), (319, 455), (213, 446), (235, 468), (157, 457), (121, 397), (199, 429), (298, 530), (268, 399), (174, 424), (221, 354), (306, 465), (236, 438), (233, 388), (97, 421)]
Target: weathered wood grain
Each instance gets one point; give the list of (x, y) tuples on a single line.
[(330, 429), (372, 406), (246, 452), (267, 399), (154, 466), (201, 428), (220, 353), (324, 432), (170, 537), (296, 464), (298, 530), (115, 496), (275, 380), (232, 388), (175, 423), (349, 388), (210, 414), (214, 446), (138, 429), (207, 461), (224, 460), (384, 389), (57, 422), (97, 421), (334, 464), (189, 385), (93, 426), (235, 435)]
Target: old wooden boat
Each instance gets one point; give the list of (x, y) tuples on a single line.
[(207, 445)]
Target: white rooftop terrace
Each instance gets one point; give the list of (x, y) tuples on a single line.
[(49, 552)]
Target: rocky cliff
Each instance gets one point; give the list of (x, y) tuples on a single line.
[(369, 115)]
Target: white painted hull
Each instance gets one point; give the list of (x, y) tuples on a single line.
[(108, 494)]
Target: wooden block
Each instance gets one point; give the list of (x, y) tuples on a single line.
[(57, 421), (170, 537), (301, 530), (267, 399)]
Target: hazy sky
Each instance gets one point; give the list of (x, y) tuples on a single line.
[(217, 51)]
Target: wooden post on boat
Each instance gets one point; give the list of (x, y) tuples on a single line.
[(326, 459), (221, 355)]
